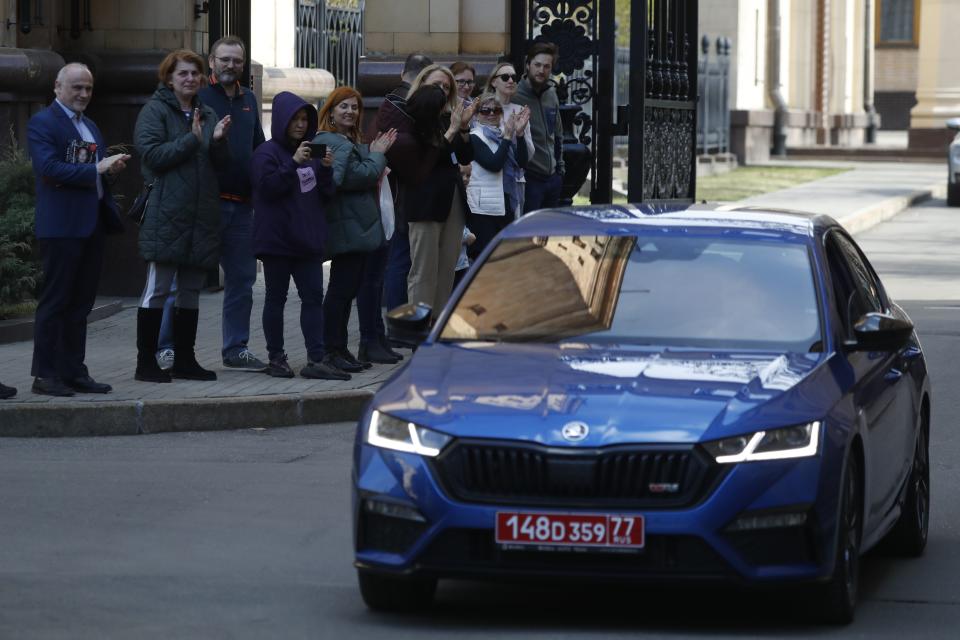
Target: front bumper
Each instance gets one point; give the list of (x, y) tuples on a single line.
[(439, 536)]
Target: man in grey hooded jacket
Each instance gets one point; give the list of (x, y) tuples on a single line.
[(544, 172)]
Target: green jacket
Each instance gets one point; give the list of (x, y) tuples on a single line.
[(353, 215), (181, 224)]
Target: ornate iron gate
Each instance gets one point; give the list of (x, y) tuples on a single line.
[(330, 36), (662, 159), (660, 119), (584, 32)]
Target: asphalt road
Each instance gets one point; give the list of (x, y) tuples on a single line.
[(246, 534)]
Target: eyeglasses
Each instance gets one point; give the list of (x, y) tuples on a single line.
[(506, 77), (489, 111), (464, 82), (238, 62)]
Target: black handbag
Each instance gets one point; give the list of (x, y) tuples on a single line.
[(139, 206)]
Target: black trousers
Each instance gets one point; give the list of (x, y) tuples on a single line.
[(346, 277), (486, 229), (71, 275)]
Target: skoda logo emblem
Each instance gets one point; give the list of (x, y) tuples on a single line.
[(574, 431)]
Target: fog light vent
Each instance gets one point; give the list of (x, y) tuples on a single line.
[(753, 522), (389, 526), (392, 510)]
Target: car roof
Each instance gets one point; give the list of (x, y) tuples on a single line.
[(619, 219)]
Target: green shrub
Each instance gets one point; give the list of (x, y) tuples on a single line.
[(19, 262)]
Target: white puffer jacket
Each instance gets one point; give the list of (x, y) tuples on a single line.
[(485, 189)]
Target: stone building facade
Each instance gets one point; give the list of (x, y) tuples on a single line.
[(838, 61)]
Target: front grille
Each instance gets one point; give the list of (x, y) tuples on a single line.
[(523, 474), (474, 552)]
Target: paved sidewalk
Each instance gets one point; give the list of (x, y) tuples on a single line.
[(236, 399), (863, 197), (860, 198)]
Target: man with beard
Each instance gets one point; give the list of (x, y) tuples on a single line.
[(226, 96), (544, 173)]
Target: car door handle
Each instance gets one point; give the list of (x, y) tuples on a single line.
[(893, 375)]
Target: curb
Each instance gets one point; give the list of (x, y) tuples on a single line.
[(21, 329), (132, 417), (873, 215)]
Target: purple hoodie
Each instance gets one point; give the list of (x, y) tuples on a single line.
[(288, 201)]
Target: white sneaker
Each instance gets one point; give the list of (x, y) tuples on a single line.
[(165, 359)]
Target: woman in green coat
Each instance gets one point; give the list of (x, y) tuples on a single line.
[(180, 141), (355, 233)]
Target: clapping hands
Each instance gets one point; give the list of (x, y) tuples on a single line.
[(383, 141), (113, 164), (461, 115), (510, 126), (218, 131), (522, 119)]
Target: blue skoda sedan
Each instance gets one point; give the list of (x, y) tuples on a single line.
[(695, 393)]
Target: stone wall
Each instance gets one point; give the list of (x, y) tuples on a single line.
[(437, 27)]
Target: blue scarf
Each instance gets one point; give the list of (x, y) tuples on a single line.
[(511, 170)]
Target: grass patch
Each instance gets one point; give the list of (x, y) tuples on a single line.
[(744, 182), (17, 309)]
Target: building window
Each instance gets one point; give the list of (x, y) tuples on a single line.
[(898, 22)]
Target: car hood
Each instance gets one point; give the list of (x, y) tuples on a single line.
[(530, 391)]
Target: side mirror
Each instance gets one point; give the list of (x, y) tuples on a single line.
[(409, 324), (953, 123), (881, 332)]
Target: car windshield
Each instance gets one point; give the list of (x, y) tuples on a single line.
[(684, 288)]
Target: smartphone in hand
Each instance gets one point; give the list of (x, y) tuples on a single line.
[(317, 150)]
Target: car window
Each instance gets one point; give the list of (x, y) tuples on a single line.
[(689, 288), (856, 289)]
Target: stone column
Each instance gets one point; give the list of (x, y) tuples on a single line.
[(938, 84)]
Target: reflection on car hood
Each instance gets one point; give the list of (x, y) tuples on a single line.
[(529, 391)]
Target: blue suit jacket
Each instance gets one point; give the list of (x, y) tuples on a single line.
[(67, 202)]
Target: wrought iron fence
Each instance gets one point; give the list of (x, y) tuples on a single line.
[(585, 32), (330, 36), (621, 83), (713, 109)]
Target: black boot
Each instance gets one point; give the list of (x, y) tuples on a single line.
[(345, 354), (148, 332), (385, 343), (185, 363), (374, 352)]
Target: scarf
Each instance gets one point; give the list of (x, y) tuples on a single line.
[(511, 170)]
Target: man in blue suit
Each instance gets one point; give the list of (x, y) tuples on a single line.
[(74, 211)]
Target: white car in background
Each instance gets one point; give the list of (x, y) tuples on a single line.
[(953, 165)]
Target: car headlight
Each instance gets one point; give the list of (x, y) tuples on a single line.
[(776, 444), (954, 158), (393, 433)]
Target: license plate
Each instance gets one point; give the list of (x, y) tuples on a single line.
[(570, 529)]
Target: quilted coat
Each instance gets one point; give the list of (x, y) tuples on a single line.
[(181, 224), (353, 215)]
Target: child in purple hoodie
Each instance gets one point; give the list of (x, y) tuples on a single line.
[(290, 230)]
